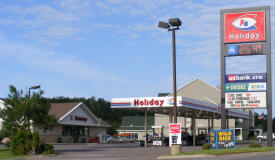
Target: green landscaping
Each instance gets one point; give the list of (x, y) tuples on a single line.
[(229, 151), (7, 154)]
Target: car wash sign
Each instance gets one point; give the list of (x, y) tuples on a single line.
[(244, 27)]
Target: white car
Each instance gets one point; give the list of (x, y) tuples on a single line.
[(263, 137), (112, 139), (126, 140)]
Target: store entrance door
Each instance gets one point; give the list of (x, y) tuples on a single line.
[(75, 134)]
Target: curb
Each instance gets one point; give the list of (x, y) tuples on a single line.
[(186, 156)]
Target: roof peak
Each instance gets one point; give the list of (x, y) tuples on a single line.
[(196, 79)]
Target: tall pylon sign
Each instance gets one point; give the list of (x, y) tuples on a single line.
[(246, 32)]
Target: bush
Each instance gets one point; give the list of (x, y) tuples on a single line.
[(206, 146), (252, 138), (255, 145), (26, 142), (21, 143), (44, 148), (7, 144)]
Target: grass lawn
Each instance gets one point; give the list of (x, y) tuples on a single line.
[(7, 154), (229, 151)]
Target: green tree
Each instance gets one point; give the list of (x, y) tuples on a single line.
[(21, 111)]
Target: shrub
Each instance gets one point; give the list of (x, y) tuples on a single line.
[(26, 142), (206, 146), (35, 141), (21, 143), (44, 148), (7, 144), (255, 145), (252, 138)]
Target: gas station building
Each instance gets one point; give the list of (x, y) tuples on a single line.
[(198, 105)]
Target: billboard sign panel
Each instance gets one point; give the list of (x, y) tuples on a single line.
[(244, 27), (174, 133), (235, 100), (225, 139), (244, 87), (248, 77)]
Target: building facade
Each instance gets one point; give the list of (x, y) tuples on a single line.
[(200, 91), (133, 126), (77, 124)]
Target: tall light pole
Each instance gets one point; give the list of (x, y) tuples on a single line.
[(33, 87), (173, 25)]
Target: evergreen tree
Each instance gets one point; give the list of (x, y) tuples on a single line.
[(21, 111)]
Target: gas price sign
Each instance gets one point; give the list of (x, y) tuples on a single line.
[(175, 133), (245, 49), (245, 100)]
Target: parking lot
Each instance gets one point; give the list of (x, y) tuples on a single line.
[(116, 151), (110, 151)]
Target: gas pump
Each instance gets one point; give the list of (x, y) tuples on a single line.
[(157, 135)]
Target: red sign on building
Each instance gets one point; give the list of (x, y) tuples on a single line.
[(244, 27)]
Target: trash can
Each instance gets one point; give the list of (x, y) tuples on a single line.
[(59, 140), (141, 143)]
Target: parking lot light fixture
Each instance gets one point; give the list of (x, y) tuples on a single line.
[(163, 25), (33, 87), (175, 22)]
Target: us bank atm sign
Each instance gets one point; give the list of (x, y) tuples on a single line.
[(244, 27)]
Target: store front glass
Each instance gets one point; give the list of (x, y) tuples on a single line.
[(75, 132)]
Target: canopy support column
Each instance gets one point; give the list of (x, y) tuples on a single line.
[(227, 122), (212, 122), (194, 128), (145, 127), (208, 124)]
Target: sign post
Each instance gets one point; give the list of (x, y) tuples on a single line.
[(245, 32)]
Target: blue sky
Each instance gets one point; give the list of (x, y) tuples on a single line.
[(112, 48)]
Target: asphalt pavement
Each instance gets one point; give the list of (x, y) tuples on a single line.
[(132, 151)]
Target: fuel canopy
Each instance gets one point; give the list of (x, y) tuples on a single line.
[(185, 106)]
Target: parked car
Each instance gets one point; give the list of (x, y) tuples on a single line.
[(126, 139), (112, 139), (262, 137)]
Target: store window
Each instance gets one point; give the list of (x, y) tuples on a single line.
[(75, 131)]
